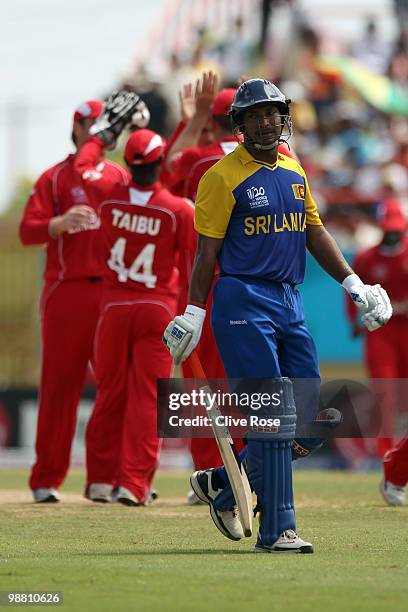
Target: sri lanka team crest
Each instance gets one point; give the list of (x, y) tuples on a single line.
[(298, 191)]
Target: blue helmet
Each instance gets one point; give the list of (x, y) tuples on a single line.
[(253, 93)]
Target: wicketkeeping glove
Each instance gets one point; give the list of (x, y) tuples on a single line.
[(141, 116), (117, 114), (182, 335), (372, 300)]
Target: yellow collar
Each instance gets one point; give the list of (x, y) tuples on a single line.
[(246, 158)]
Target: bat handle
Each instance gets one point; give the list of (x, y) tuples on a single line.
[(196, 366)]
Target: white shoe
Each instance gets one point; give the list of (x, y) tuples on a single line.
[(125, 497), (194, 500), (288, 542), (227, 522), (393, 494), (99, 492), (46, 496)]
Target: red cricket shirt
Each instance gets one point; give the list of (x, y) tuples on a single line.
[(148, 233), (75, 254)]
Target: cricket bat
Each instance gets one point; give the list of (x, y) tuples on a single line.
[(235, 470)]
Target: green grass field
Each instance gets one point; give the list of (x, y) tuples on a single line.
[(170, 557)]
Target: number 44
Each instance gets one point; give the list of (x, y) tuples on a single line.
[(141, 269)]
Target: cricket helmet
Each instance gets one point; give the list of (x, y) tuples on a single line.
[(254, 93)]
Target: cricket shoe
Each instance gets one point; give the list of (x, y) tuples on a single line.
[(194, 500), (289, 542), (46, 496), (99, 492), (226, 521), (123, 496), (393, 494)]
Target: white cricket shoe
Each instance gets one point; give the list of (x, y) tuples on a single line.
[(123, 496), (288, 542), (99, 492), (227, 522), (194, 500), (46, 496), (393, 494), (126, 497)]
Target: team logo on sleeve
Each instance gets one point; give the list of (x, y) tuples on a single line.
[(298, 191)]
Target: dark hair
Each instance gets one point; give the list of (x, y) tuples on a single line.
[(145, 174)]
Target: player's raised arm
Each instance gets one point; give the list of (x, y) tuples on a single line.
[(204, 96)]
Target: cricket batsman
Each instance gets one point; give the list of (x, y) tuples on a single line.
[(255, 215)]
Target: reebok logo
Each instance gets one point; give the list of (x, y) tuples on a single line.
[(257, 197)]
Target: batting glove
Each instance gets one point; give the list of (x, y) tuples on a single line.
[(372, 300), (182, 335)]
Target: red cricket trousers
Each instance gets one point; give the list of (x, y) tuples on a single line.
[(69, 314), (121, 437), (386, 355), (396, 464)]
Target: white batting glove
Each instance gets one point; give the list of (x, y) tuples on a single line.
[(372, 300), (182, 335)]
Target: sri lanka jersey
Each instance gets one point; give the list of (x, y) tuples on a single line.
[(261, 211)]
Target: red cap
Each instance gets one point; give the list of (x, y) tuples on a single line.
[(91, 109), (144, 147), (392, 218), (223, 101)]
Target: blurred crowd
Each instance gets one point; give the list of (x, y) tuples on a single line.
[(349, 105)]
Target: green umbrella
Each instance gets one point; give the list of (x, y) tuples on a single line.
[(377, 89)]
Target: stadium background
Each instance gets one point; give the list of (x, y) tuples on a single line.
[(351, 134)]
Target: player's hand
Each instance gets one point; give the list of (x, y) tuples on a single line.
[(117, 114), (75, 218), (372, 300), (205, 92), (187, 102), (182, 335), (379, 310)]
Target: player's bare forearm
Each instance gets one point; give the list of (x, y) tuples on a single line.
[(203, 269), (324, 249)]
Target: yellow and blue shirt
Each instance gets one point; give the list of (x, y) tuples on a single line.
[(261, 211)]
